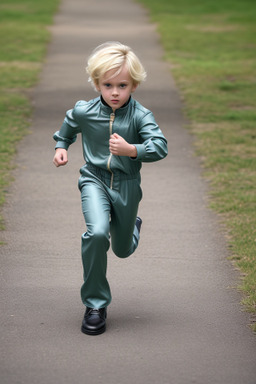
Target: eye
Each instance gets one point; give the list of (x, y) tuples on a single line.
[(123, 85), (107, 85)]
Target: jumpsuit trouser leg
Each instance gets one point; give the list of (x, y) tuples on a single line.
[(108, 213)]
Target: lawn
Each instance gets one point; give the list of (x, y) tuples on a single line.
[(211, 48), (23, 40)]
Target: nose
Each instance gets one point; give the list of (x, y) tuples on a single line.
[(115, 91)]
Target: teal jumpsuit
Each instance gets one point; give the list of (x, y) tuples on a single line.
[(109, 184)]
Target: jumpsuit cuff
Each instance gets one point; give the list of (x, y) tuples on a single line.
[(62, 144), (141, 152)]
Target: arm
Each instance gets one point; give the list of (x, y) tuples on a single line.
[(68, 131), (153, 144)]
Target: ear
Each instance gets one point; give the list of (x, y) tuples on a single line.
[(134, 87), (96, 85)]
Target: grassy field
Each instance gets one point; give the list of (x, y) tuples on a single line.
[(23, 40), (211, 48)]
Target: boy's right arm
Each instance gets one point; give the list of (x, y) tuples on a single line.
[(66, 136), (60, 157)]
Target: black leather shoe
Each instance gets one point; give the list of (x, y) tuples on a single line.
[(138, 223), (94, 321)]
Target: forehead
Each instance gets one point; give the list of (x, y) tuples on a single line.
[(112, 75)]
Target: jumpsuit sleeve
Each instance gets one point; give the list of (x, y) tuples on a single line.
[(153, 144), (68, 131)]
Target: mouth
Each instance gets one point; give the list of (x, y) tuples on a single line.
[(114, 101)]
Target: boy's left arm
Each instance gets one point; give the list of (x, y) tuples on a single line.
[(153, 146)]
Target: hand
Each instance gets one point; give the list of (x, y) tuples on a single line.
[(60, 157), (118, 146)]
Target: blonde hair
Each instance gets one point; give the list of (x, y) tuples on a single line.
[(114, 55)]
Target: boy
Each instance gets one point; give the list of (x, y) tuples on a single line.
[(118, 134)]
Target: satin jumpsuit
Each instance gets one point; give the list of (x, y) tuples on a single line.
[(109, 185)]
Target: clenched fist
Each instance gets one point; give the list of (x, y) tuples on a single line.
[(118, 146), (60, 157)]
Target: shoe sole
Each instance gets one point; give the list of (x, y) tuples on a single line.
[(93, 333)]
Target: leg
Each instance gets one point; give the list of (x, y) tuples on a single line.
[(124, 232), (95, 292)]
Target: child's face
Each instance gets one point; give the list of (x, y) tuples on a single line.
[(116, 90)]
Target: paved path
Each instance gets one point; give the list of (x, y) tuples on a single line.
[(175, 318)]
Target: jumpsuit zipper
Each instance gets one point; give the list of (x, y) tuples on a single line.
[(112, 118)]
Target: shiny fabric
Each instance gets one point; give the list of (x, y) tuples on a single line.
[(109, 213), (109, 185), (133, 122)]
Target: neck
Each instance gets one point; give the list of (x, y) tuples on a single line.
[(104, 102)]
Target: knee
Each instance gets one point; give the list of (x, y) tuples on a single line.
[(98, 233), (95, 240), (124, 248), (122, 253)]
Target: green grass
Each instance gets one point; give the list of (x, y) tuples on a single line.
[(211, 48), (23, 40)]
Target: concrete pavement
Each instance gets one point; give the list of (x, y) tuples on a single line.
[(175, 317)]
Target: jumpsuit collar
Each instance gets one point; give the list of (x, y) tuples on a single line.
[(120, 111)]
